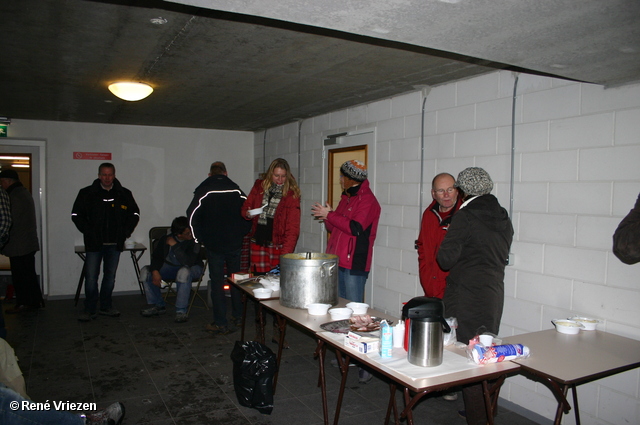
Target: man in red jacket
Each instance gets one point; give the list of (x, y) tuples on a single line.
[(435, 221)]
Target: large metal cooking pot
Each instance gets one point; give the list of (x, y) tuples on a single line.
[(307, 278)]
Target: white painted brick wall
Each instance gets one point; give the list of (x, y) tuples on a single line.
[(576, 175), (459, 118), (581, 132), (547, 228), (476, 142), (627, 127), (549, 166)]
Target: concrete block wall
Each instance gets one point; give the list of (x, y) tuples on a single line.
[(577, 149)]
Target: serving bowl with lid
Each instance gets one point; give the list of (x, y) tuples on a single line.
[(566, 326), (589, 323)]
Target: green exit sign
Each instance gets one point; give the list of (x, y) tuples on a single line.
[(3, 130)]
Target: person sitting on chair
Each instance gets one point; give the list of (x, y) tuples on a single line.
[(176, 256)]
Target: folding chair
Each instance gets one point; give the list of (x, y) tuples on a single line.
[(155, 233)]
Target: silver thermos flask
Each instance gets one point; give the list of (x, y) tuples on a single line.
[(426, 327)]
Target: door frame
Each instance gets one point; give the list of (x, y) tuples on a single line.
[(39, 193)]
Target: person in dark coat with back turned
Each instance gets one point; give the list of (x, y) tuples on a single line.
[(216, 222), (475, 251), (23, 244), (626, 239)]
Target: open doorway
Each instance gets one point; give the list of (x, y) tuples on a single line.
[(27, 158), (20, 162)]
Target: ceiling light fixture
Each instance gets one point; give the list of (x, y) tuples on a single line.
[(130, 91)]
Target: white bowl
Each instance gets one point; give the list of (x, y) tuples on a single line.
[(589, 323), (358, 308), (262, 293), (566, 326), (270, 284), (255, 211), (340, 313), (317, 309)]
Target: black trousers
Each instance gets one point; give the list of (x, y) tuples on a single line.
[(25, 280), (474, 404)]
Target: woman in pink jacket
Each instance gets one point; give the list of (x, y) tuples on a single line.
[(353, 226), (275, 230)]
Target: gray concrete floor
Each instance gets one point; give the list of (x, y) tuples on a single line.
[(177, 373)]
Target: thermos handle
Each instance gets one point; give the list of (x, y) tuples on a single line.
[(329, 269), (445, 326)]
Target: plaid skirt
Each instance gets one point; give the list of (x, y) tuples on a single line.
[(264, 258)]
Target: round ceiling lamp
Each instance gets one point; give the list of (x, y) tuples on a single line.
[(130, 91)]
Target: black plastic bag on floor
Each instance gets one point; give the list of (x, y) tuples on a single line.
[(254, 366)]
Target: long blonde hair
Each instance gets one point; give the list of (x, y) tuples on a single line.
[(290, 182)]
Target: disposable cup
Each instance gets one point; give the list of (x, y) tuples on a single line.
[(486, 340)]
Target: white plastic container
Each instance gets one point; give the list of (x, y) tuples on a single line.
[(317, 309), (589, 323), (398, 335), (340, 313), (358, 308), (262, 293), (566, 326)]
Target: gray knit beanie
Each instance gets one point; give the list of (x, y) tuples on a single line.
[(355, 170), (474, 181)]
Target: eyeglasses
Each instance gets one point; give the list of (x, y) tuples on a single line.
[(442, 191)]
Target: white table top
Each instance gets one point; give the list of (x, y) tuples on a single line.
[(248, 289), (308, 321), (455, 369), (577, 358)]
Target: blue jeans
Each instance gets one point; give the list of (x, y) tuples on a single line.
[(182, 275), (351, 286), (216, 274), (20, 416), (110, 256)]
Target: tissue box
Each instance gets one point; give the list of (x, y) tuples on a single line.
[(363, 344), (240, 276)]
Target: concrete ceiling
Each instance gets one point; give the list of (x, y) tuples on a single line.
[(253, 64)]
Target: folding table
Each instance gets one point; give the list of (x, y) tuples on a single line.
[(564, 361)]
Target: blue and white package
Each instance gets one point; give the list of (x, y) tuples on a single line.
[(386, 339), (498, 353)]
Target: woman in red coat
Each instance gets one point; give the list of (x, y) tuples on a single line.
[(275, 230)]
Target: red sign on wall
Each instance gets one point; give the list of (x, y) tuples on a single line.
[(104, 156)]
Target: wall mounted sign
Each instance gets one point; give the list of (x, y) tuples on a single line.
[(103, 156)]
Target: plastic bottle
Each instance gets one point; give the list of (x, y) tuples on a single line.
[(386, 339), (398, 335)]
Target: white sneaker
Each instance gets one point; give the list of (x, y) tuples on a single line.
[(112, 415), (450, 396)]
